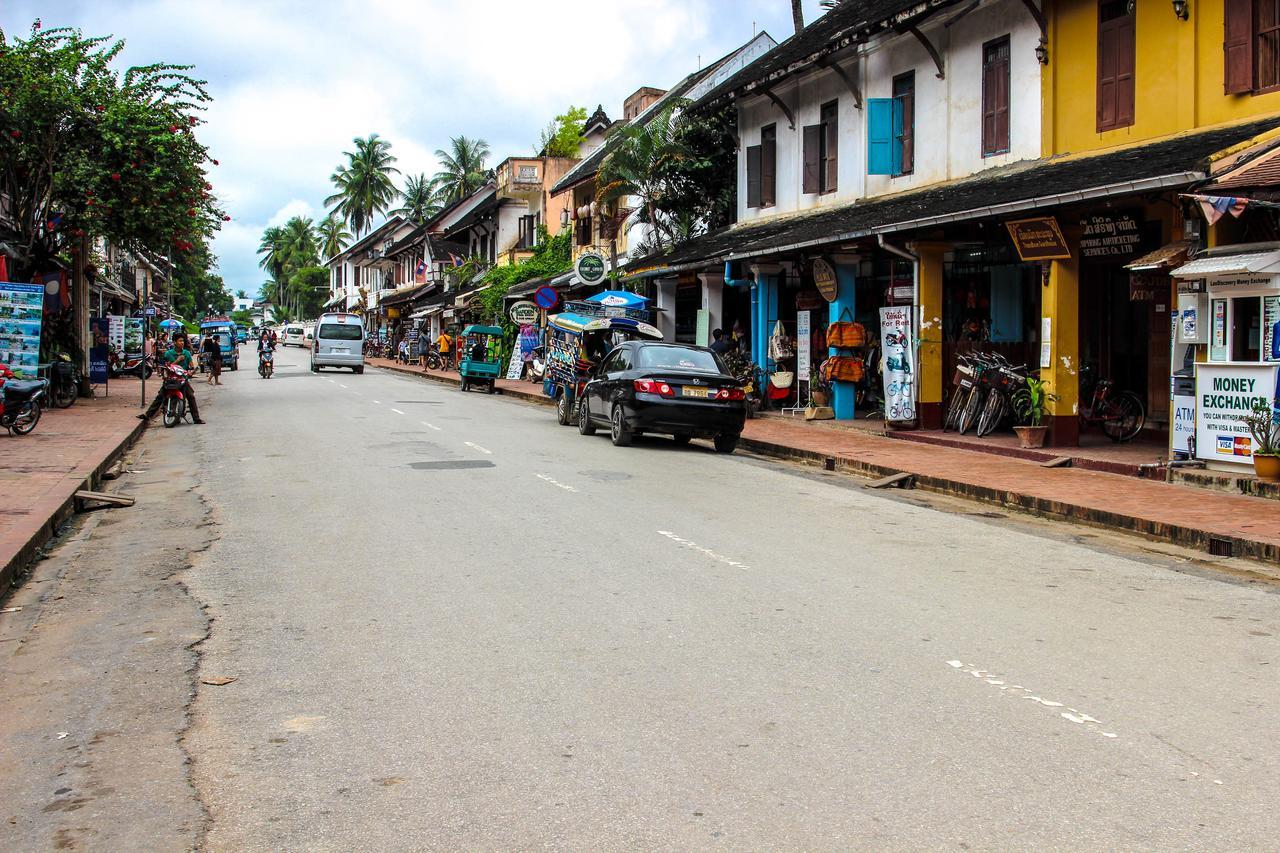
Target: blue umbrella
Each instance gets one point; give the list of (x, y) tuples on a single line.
[(170, 324)]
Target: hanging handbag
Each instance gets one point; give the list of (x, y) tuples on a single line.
[(844, 368), (846, 334)]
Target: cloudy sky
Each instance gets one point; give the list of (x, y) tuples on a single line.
[(293, 82)]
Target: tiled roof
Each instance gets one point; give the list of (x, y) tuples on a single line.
[(1177, 161)]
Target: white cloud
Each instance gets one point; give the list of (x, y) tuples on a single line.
[(296, 207)]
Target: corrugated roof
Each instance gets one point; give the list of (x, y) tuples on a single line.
[(1168, 255), (1239, 263)]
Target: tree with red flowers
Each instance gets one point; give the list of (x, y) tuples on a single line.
[(86, 149)]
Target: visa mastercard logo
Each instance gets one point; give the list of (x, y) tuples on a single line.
[(1226, 444)]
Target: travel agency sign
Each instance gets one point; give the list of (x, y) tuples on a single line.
[(590, 267)]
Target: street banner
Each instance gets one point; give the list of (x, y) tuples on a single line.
[(99, 349), (132, 337), (897, 353), (21, 313), (115, 333), (804, 338)]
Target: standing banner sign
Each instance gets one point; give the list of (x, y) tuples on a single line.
[(804, 335), (1224, 394), (99, 349), (899, 373), (21, 313), (115, 333), (133, 337)]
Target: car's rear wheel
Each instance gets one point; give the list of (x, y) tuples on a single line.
[(564, 409), (357, 370), (619, 433), (726, 443), (585, 426), (682, 438)]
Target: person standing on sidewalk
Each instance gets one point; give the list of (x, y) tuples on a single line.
[(445, 344), (180, 354), (212, 350)]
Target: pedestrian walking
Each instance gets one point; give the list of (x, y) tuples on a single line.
[(444, 343), (212, 349)]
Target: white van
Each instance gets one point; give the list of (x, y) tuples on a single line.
[(339, 342), (293, 335)]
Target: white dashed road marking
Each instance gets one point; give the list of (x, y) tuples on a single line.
[(478, 447), (1093, 724), (340, 385), (430, 426), (379, 402), (693, 546), (397, 411), (555, 483)]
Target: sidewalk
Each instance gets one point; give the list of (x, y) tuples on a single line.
[(1239, 525), (40, 472)]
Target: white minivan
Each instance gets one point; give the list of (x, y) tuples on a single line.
[(293, 336), (338, 342)]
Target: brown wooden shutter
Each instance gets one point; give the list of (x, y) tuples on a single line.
[(753, 176), (812, 153), (995, 97), (1115, 65), (768, 167), (908, 131), (1126, 50), (1237, 46)]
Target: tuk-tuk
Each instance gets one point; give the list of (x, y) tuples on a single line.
[(480, 360), (574, 345), (225, 330)]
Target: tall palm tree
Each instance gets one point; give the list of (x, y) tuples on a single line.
[(272, 249), (636, 166), (363, 185), (418, 201), (301, 247), (462, 170), (333, 235)]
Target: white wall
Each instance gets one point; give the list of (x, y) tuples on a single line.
[(948, 113)]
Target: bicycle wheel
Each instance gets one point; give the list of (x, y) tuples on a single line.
[(954, 407), (992, 413), (972, 406), (1123, 416)]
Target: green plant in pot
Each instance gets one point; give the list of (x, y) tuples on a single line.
[(1029, 405), (1264, 428)]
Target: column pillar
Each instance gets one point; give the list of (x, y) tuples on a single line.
[(765, 307), (844, 394), (713, 299), (1060, 310), (665, 289), (929, 332)]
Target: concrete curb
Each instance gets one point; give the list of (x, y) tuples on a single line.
[(53, 511), (1189, 537)]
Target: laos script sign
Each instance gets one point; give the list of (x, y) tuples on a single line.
[(1038, 239)]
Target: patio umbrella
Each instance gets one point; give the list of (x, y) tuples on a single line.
[(170, 324)]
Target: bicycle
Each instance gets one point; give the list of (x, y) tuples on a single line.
[(1003, 382), (1121, 414)]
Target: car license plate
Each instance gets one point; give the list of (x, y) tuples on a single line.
[(694, 392), (339, 350)]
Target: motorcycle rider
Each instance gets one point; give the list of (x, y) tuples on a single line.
[(179, 353), (266, 344)]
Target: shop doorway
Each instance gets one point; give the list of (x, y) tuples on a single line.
[(990, 304)]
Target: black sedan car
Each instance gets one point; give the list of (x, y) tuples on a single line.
[(653, 387)]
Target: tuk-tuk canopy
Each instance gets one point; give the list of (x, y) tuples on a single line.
[(482, 330), (577, 324), (619, 299)]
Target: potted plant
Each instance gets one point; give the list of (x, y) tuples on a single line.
[(1264, 428), (1028, 404)]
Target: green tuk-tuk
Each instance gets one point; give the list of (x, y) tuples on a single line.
[(480, 361)]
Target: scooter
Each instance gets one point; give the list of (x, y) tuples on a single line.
[(433, 359), (64, 381), (117, 366), (266, 363), (174, 406), (20, 405)]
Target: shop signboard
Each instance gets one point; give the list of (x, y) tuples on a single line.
[(1038, 239), (523, 313), (115, 333), (804, 345), (1110, 236), (21, 314), (590, 267), (1182, 439), (899, 374), (413, 336), (824, 278), (132, 337), (99, 349), (516, 365), (1224, 394)]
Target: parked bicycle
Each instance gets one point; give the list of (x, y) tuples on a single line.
[(1121, 414)]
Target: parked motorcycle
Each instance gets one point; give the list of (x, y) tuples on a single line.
[(266, 364), (118, 365), (433, 359), (20, 405), (174, 407), (64, 381)]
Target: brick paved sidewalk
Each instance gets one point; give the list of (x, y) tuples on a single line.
[(1175, 513), (40, 472)]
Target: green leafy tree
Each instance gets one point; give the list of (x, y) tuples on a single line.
[(88, 149), (333, 235), (638, 165), (241, 318), (462, 169), (300, 244), (363, 186), (418, 200), (240, 294), (563, 135), (272, 250), (195, 288), (700, 187)]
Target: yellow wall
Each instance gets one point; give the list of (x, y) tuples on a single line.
[(1178, 76)]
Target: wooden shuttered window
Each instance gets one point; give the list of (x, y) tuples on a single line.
[(768, 166), (830, 147), (995, 97), (812, 158), (1237, 46), (753, 176), (1116, 59), (1266, 45), (904, 122)]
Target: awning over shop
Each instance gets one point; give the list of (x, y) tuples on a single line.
[(1166, 257), (402, 297), (1231, 264), (334, 301)]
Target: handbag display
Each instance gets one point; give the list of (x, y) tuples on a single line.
[(843, 368), (846, 334)]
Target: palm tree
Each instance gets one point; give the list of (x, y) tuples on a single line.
[(333, 235), (418, 199), (301, 248), (462, 169), (272, 249), (635, 166), (363, 184)]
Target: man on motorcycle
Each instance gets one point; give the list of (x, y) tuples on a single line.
[(179, 353), (266, 347)]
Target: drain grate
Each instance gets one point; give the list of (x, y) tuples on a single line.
[(453, 465), (1220, 546)]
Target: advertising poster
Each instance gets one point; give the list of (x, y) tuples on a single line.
[(1225, 393), (115, 333), (132, 337), (899, 372), (1218, 346), (1183, 436), (21, 312), (1271, 328), (804, 342), (99, 349)]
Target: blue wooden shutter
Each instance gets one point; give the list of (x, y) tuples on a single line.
[(880, 135)]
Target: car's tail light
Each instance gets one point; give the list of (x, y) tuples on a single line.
[(730, 394), (654, 386)]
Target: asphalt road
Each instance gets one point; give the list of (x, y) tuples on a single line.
[(454, 624)]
